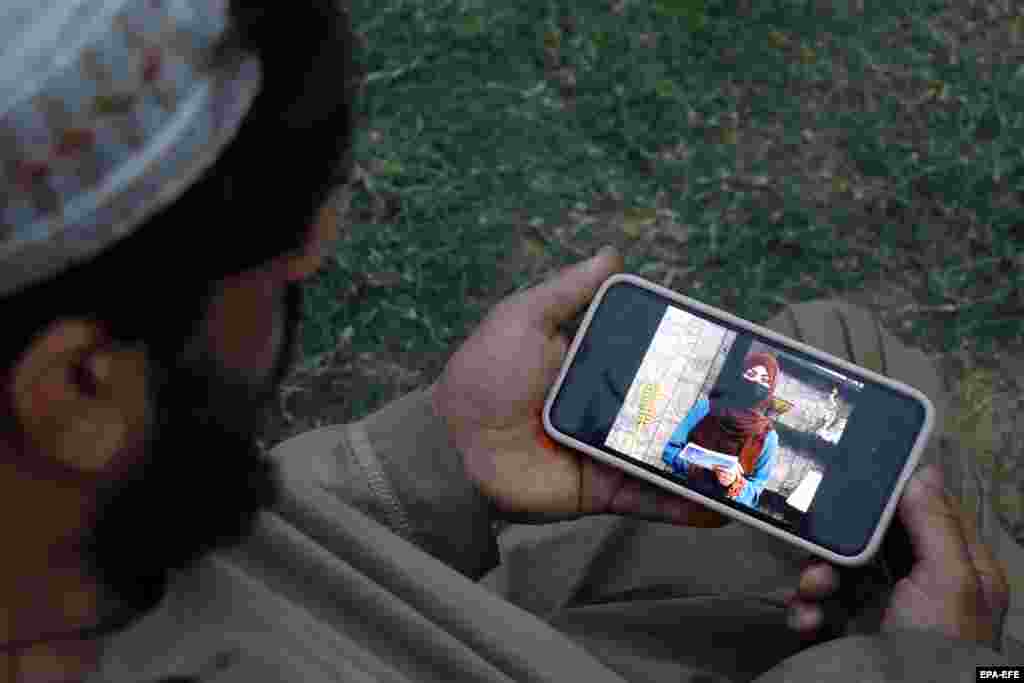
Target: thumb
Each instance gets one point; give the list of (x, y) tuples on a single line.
[(561, 297), (933, 524)]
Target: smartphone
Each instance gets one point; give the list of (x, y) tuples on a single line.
[(762, 428)]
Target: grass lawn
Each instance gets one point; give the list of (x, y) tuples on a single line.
[(770, 152)]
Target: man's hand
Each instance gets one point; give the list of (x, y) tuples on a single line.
[(725, 476), (957, 586), (491, 395)]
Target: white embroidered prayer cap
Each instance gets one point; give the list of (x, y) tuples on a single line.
[(109, 110)]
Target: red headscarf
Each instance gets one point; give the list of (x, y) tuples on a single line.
[(739, 432)]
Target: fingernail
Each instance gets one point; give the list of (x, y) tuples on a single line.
[(803, 618), (924, 480), (933, 475), (819, 577)]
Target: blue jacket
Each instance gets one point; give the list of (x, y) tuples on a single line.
[(751, 493)]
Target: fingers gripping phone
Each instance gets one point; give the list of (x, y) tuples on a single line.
[(764, 429)]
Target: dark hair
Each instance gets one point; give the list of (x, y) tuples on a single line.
[(255, 202)]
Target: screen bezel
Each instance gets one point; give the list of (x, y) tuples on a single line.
[(799, 349)]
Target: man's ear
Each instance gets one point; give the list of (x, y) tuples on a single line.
[(77, 397)]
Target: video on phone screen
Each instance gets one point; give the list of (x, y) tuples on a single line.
[(732, 417)]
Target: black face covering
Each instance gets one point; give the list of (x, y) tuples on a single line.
[(742, 395)]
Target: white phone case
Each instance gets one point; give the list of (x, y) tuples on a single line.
[(783, 342)]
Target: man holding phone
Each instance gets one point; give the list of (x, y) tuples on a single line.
[(148, 539)]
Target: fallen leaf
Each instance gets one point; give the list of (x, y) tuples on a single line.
[(808, 55), (635, 218), (777, 39), (472, 25), (937, 90), (692, 10), (840, 185), (553, 39), (727, 135), (534, 248), (1016, 29), (391, 168)]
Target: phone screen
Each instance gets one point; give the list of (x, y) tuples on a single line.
[(801, 444)]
